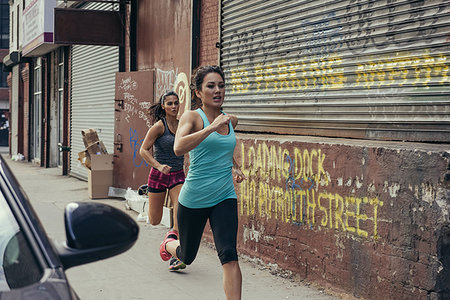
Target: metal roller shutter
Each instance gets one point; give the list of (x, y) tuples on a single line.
[(358, 69), (92, 96)]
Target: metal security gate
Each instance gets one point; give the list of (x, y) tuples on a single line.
[(93, 70), (358, 69)]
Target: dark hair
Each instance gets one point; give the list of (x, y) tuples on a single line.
[(156, 110), (197, 79)]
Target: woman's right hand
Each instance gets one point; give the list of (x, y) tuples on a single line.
[(165, 169), (220, 121)]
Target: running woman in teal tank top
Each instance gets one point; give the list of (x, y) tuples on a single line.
[(207, 134), (210, 179)]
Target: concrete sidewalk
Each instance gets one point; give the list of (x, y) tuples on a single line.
[(140, 273)]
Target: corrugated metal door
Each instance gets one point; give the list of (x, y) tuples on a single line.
[(359, 69), (93, 73)]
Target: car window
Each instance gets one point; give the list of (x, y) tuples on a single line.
[(18, 264)]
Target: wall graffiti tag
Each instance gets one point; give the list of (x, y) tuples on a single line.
[(176, 81), (354, 43), (135, 107), (291, 187), (135, 144), (164, 81), (329, 73)]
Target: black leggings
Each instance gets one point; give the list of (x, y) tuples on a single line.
[(223, 220)]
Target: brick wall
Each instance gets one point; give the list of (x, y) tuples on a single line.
[(127, 38), (370, 219), (209, 32)]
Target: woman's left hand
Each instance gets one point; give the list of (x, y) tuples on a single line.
[(239, 176)]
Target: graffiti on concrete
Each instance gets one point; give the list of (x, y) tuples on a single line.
[(291, 187)]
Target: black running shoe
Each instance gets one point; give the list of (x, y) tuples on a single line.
[(176, 264)]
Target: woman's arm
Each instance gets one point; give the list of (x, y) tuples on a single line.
[(152, 134), (239, 176), (233, 120), (190, 132)]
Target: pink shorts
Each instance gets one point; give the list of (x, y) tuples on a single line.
[(159, 182)]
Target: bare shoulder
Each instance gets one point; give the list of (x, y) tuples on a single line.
[(157, 129), (234, 120), (191, 119), (189, 115), (153, 134)]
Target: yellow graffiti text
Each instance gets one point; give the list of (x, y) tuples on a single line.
[(356, 216), (283, 184), (330, 73), (299, 166)]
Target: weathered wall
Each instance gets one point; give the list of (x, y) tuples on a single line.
[(209, 32), (371, 219)]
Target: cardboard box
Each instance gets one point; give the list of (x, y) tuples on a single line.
[(96, 148), (100, 177), (89, 136)]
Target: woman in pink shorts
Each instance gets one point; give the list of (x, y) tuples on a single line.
[(167, 169)]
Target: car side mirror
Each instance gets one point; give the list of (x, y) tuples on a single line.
[(95, 231)]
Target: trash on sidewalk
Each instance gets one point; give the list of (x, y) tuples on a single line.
[(167, 218), (138, 201), (89, 136), (115, 192), (18, 157), (99, 163), (84, 159)]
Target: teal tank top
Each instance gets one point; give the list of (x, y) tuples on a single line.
[(209, 180)]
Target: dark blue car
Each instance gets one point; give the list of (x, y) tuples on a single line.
[(31, 265)]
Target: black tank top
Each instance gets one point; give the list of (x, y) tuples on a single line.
[(163, 150)]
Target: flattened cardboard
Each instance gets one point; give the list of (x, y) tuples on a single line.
[(84, 159), (89, 136), (97, 148)]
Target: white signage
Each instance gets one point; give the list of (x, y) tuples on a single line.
[(37, 24)]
